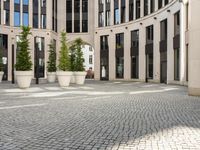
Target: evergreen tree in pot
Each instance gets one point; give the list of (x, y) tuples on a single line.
[(51, 64), (72, 49), (23, 63), (64, 74), (80, 72), (1, 64)]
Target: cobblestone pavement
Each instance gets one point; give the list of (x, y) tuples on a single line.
[(99, 115)]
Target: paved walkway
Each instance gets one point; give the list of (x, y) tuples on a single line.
[(99, 115)]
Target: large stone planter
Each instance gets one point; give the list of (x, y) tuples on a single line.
[(1, 75), (64, 78), (73, 80), (80, 77), (51, 77), (24, 78)]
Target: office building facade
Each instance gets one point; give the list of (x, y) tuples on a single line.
[(133, 40)]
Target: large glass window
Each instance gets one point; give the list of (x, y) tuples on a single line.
[(177, 23), (152, 9), (163, 30), (160, 4), (116, 12), (135, 54), (25, 19), (39, 45), (54, 15), (69, 16), (119, 55), (7, 13), (35, 14), (131, 7), (176, 64), (137, 9), (25, 2), (123, 11), (84, 15), (76, 15), (17, 19), (146, 7)]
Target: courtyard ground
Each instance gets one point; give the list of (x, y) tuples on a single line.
[(99, 115)]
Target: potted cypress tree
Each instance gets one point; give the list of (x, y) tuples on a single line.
[(23, 63), (80, 72), (1, 65), (64, 74), (51, 64)]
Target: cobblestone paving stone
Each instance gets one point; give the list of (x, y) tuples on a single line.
[(99, 116)]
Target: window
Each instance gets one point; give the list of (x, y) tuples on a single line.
[(119, 55), (135, 54), (101, 20), (54, 15), (17, 1), (107, 18), (116, 12), (163, 30), (17, 19), (131, 10), (123, 11), (152, 9), (146, 7), (25, 2), (90, 59), (35, 14), (76, 16), (176, 64), (84, 15), (69, 16), (160, 4), (6, 12), (149, 34), (43, 21), (25, 19), (177, 23), (137, 9)]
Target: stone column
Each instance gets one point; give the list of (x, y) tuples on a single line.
[(1, 13), (112, 58), (112, 12), (134, 9), (127, 11), (11, 12), (156, 52), (127, 56), (80, 15), (97, 57), (156, 5), (141, 8), (170, 49), (194, 48), (30, 13), (142, 60), (49, 12)]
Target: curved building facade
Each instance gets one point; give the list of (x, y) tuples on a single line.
[(133, 40)]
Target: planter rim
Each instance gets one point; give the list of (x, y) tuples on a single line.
[(51, 72), (80, 73), (25, 73), (63, 73)]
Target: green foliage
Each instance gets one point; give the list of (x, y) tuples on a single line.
[(1, 61), (51, 64), (64, 59), (72, 56), (79, 60), (23, 56)]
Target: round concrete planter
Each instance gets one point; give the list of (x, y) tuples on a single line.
[(64, 78), (51, 77), (80, 77), (73, 80), (1, 75), (24, 78)]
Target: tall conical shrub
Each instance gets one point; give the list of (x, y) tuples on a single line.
[(51, 64), (64, 59), (79, 60), (23, 62)]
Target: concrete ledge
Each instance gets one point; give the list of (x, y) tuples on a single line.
[(194, 91)]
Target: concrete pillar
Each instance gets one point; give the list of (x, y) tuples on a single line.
[(21, 12), (194, 48), (156, 5), (127, 11), (96, 5), (1, 13), (120, 11), (142, 60), (112, 58), (170, 50), (127, 56), (134, 9), (141, 8), (11, 12), (49, 14), (30, 11), (156, 52), (149, 6), (182, 44), (112, 12), (97, 57), (39, 14)]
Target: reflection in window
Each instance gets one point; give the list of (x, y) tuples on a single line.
[(25, 19), (17, 19), (119, 55)]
